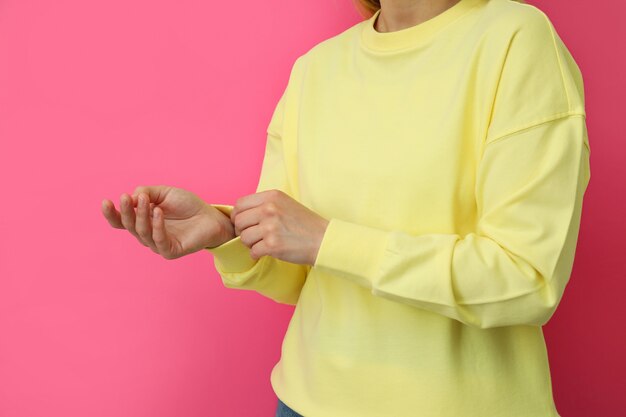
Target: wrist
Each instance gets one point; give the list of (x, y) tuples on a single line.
[(320, 237), (224, 232)]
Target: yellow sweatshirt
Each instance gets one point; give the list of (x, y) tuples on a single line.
[(451, 159)]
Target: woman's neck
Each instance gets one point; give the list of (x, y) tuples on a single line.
[(400, 14)]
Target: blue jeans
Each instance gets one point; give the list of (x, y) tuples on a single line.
[(283, 410)]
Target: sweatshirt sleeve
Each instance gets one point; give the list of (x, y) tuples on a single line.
[(273, 278), (513, 269)]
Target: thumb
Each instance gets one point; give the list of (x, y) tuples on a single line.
[(156, 193)]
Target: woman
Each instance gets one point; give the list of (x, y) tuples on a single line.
[(419, 203)]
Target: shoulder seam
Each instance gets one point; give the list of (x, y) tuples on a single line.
[(539, 122)]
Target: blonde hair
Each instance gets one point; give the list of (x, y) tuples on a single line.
[(368, 7)]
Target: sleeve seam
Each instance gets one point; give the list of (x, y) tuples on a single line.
[(536, 123)]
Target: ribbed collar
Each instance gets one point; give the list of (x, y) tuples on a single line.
[(414, 35)]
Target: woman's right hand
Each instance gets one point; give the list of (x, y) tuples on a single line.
[(173, 222)]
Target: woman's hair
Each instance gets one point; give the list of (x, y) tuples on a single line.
[(368, 7)]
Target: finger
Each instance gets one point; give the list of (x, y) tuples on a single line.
[(247, 219), (160, 235), (128, 215), (252, 200), (143, 224), (112, 215), (156, 193), (258, 250), (251, 235)]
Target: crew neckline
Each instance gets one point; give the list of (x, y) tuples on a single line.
[(413, 35)]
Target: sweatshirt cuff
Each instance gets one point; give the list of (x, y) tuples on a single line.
[(231, 256), (352, 251)]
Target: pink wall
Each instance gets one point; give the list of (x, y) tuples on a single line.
[(99, 97)]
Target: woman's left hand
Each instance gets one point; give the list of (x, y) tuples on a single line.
[(273, 223)]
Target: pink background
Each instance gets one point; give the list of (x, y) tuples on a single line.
[(99, 97)]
